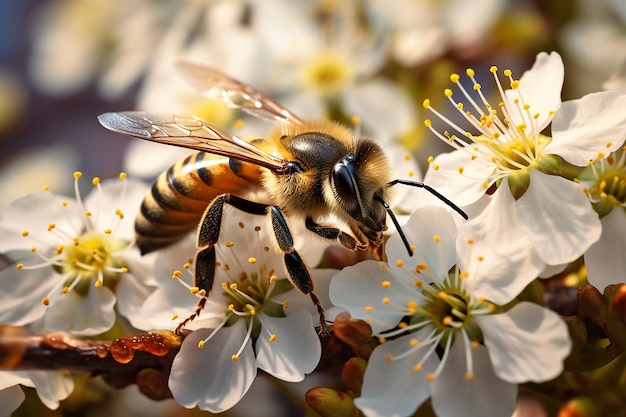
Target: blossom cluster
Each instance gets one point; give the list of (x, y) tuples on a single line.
[(460, 314)]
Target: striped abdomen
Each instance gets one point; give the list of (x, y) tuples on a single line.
[(174, 205)]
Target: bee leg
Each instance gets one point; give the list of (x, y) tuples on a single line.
[(296, 268), (333, 233), (207, 237)]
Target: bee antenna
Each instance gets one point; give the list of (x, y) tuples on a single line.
[(395, 222), (432, 191)]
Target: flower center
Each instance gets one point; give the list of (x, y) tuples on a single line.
[(89, 255), (327, 73), (607, 179)]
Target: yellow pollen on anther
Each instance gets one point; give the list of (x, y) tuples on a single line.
[(119, 214), (386, 284), (77, 174), (356, 120), (430, 159), (124, 270), (272, 337), (202, 292), (427, 123), (235, 358), (461, 169), (493, 68), (382, 339), (33, 249), (107, 231), (447, 92), (233, 286), (514, 84), (385, 300), (285, 304), (463, 275), (252, 260), (88, 213), (447, 320), (418, 367), (95, 181), (388, 357), (45, 188), (406, 157), (480, 258), (491, 308), (98, 283), (186, 265), (273, 278), (477, 87), (426, 104), (609, 144), (469, 376), (455, 78), (600, 155), (25, 233), (65, 290), (470, 72), (437, 238), (402, 325), (418, 283), (430, 377), (201, 344), (399, 263), (474, 344), (194, 290), (176, 274), (368, 309), (413, 342), (231, 307), (51, 226), (122, 175), (45, 301), (19, 266), (239, 124)]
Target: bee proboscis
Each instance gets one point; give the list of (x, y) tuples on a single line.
[(306, 169)]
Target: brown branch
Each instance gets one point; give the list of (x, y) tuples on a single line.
[(144, 359)]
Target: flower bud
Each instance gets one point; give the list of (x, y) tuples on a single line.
[(352, 374), (592, 304), (356, 333), (330, 403), (579, 407)]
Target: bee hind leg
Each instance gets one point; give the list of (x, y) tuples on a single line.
[(296, 267), (207, 237)]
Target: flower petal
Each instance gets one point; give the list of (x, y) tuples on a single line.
[(485, 395), (132, 290), (501, 260), (295, 351), (558, 218), (465, 188), (540, 87), (22, 292), (527, 343), (360, 290), (432, 231), (392, 388), (112, 195), (89, 315), (10, 398), (605, 259), (35, 212), (208, 377), (373, 102), (592, 125), (51, 386)]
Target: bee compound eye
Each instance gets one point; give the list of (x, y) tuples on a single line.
[(344, 184)]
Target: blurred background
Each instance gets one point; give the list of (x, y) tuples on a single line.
[(63, 62)]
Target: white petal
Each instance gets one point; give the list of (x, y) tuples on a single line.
[(34, 213), (558, 218), (115, 194), (485, 395), (501, 261), (208, 377), (51, 386), (297, 301), (527, 343), (10, 398), (540, 87), (583, 128), (605, 259), (360, 286), (132, 291), (295, 351), (404, 166), (79, 315), (22, 292), (394, 388), (421, 229), (462, 189), (385, 110)]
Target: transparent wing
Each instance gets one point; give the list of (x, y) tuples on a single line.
[(235, 94), (189, 132)]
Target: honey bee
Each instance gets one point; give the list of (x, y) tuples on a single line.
[(309, 170)]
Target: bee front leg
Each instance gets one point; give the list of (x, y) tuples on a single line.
[(296, 268), (333, 233)]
